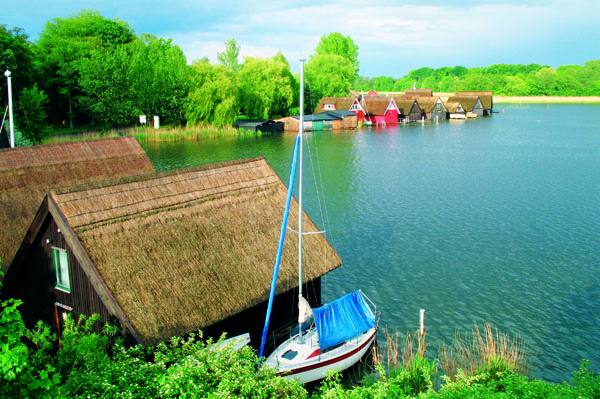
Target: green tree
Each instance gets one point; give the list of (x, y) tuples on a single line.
[(33, 118), (63, 45), (329, 75), (17, 57), (229, 57), (267, 87), (158, 79), (214, 95), (337, 44), (104, 86)]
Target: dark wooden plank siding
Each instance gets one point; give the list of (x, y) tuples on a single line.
[(36, 282)]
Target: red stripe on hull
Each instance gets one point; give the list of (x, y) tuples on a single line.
[(328, 362)]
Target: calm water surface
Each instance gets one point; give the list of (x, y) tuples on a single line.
[(496, 219)]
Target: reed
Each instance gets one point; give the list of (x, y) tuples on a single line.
[(486, 351), (407, 366), (164, 134)]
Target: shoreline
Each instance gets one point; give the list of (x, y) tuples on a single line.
[(547, 99)]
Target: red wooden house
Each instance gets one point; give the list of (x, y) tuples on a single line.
[(380, 110)]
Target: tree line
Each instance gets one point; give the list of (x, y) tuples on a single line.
[(502, 79), (90, 70)]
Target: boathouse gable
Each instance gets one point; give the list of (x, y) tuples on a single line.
[(409, 110), (486, 97), (26, 173), (432, 108), (471, 104), (164, 254)]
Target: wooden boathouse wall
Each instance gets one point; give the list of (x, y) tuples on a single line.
[(35, 283)]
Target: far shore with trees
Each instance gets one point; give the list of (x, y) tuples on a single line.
[(87, 72)]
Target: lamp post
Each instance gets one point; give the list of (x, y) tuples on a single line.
[(10, 110)]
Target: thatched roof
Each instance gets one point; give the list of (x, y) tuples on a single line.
[(405, 105), (427, 104), (467, 102), (486, 97), (340, 103), (372, 93), (26, 173), (182, 250), (419, 92), (452, 106), (376, 105)]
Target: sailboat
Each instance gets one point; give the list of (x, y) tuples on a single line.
[(332, 337)]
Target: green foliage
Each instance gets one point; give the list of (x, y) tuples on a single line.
[(502, 79), (64, 44), (16, 56), (33, 106), (214, 95), (229, 57), (329, 75), (337, 44), (267, 87), (13, 352)]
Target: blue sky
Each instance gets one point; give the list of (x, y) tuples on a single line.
[(393, 36)]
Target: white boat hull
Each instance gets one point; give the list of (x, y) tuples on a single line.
[(310, 364)]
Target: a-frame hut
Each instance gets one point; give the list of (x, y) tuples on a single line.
[(432, 107), (26, 173), (166, 254), (408, 110), (486, 97), (471, 104)]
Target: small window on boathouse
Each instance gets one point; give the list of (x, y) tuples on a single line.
[(60, 259)]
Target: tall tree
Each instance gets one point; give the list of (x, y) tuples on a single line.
[(267, 87), (64, 44), (104, 86), (213, 97), (337, 44), (32, 111), (159, 78), (229, 57), (16, 56), (329, 75)]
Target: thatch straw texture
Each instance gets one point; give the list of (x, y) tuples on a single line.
[(486, 97), (26, 174), (427, 104), (419, 92), (467, 102), (404, 105), (340, 103), (452, 106), (377, 105), (182, 250)]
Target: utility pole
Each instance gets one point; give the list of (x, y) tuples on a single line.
[(10, 110)]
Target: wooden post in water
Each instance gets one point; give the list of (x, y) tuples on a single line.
[(422, 322)]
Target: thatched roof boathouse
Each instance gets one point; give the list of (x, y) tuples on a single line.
[(26, 173), (165, 254)]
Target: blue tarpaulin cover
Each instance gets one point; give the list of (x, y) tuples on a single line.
[(342, 319)]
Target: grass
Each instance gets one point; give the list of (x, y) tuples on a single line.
[(487, 351), (148, 134)]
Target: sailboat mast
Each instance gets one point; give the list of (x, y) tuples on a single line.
[(300, 131)]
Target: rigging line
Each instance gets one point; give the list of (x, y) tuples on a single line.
[(3, 119), (305, 233), (326, 220)]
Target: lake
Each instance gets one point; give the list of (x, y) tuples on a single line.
[(495, 219)]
